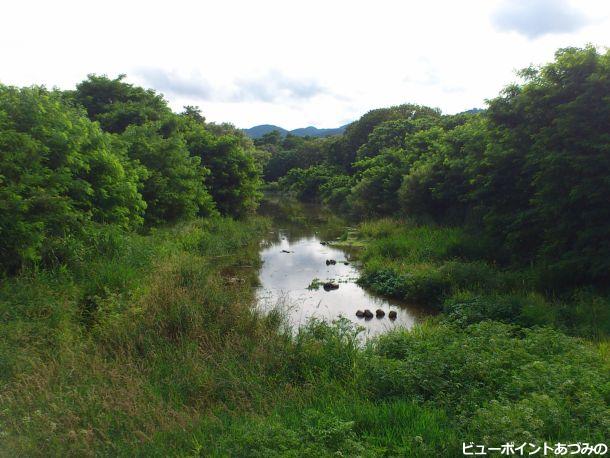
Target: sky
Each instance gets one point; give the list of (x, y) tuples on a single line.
[(295, 63)]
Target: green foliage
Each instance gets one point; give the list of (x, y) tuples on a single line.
[(59, 172), (234, 179), (358, 132), (316, 435), (552, 137), (306, 184), (497, 380), (414, 243), (377, 182), (447, 268), (290, 153), (116, 104), (142, 346), (425, 286), (438, 183), (336, 190), (524, 309), (173, 188)]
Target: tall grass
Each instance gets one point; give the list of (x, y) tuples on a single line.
[(99, 356), (148, 345), (446, 268)]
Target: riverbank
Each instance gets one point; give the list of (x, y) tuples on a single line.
[(140, 337), (149, 346), (450, 270), (306, 275)]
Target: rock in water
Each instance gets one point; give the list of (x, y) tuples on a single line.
[(359, 313), (328, 286), (368, 314), (392, 315), (379, 313)]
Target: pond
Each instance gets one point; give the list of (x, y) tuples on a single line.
[(295, 254)]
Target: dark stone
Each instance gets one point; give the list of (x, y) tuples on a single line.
[(331, 262), (368, 314), (322, 243), (346, 263), (392, 315), (379, 313), (286, 251), (359, 313), (328, 286)]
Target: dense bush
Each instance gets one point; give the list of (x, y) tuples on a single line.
[(420, 286), (173, 188), (497, 380), (448, 268), (116, 104), (58, 172), (233, 180), (61, 172), (306, 184), (551, 135)]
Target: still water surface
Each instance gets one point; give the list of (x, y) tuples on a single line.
[(293, 256)]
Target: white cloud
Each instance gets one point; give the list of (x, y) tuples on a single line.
[(535, 18), (291, 64)]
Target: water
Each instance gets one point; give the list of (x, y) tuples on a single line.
[(293, 256)]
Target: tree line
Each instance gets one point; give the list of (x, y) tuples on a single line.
[(110, 152), (531, 172)]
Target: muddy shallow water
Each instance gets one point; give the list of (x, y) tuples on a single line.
[(293, 256)]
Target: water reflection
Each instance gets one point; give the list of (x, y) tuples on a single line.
[(293, 256)]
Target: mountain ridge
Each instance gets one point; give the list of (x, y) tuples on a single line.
[(309, 131)]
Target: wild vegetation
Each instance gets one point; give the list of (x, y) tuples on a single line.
[(109, 153), (129, 258), (530, 172)]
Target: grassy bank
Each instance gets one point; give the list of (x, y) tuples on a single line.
[(110, 352), (149, 346), (450, 270)]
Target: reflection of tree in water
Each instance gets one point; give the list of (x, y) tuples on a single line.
[(297, 220)]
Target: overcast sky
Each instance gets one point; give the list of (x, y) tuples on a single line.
[(295, 64)]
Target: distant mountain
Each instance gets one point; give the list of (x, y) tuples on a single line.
[(259, 131), (311, 131)]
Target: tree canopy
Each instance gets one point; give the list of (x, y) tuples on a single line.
[(114, 153)]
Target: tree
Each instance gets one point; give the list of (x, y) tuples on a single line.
[(116, 104), (307, 183), (378, 179), (58, 172), (174, 186), (553, 143), (357, 133), (439, 181), (234, 177)]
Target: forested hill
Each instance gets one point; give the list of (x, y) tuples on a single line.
[(310, 131)]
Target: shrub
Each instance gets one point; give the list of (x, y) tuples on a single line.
[(59, 172), (557, 383)]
